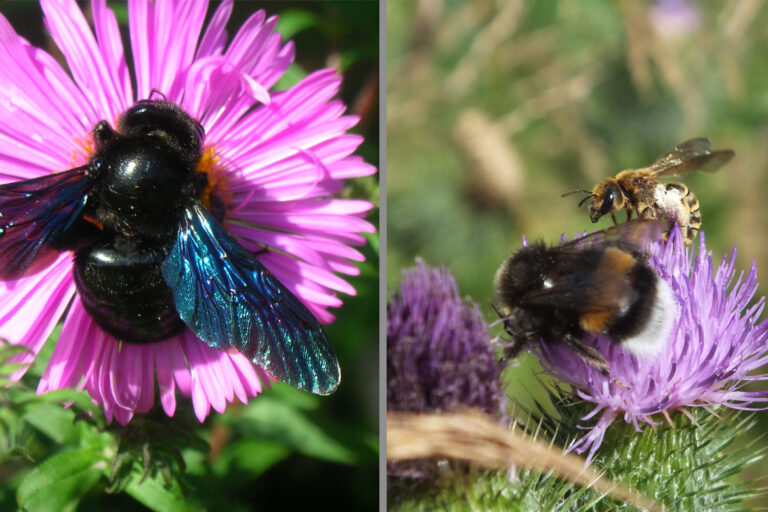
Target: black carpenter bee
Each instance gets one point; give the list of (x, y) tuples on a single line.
[(598, 284), (151, 257), (638, 191)]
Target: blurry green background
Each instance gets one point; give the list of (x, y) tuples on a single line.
[(286, 448), (496, 108)]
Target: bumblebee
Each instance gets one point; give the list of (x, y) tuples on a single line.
[(638, 190), (600, 284)]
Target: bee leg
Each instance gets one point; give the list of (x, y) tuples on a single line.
[(629, 214), (613, 218), (647, 213), (512, 349), (516, 342), (589, 355), (261, 251)]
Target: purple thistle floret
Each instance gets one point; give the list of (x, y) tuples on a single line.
[(716, 344), (439, 353), (675, 18)]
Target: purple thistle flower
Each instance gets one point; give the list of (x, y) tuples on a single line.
[(274, 157), (675, 19), (439, 351), (715, 345), (439, 355)]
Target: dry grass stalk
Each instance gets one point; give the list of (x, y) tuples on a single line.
[(478, 439)]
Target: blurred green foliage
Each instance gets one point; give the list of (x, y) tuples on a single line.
[(496, 108), (285, 448)]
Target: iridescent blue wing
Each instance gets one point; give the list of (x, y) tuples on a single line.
[(35, 217), (231, 301)]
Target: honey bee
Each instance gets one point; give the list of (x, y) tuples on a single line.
[(600, 284), (638, 190)]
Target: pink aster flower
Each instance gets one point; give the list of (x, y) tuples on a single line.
[(715, 346), (276, 157)]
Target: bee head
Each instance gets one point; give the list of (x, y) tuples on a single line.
[(164, 120), (523, 272), (606, 198)]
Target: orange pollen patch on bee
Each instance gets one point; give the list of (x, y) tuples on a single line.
[(209, 165), (595, 322)]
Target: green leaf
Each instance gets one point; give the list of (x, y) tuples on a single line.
[(293, 75), (463, 488), (60, 481), (54, 422), (274, 419), (689, 466), (154, 494), (39, 364), (692, 465), (373, 240), (14, 435), (250, 456), (60, 425), (7, 351), (78, 400), (291, 22)]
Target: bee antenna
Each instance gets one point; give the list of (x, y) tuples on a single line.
[(157, 92), (576, 191), (590, 196)]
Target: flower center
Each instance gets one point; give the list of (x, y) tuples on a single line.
[(215, 195)]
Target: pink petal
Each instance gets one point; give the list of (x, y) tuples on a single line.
[(71, 356), (215, 37), (323, 278), (313, 251), (161, 61), (31, 307), (164, 370), (203, 365), (308, 223), (111, 44), (36, 121), (141, 24), (91, 71)]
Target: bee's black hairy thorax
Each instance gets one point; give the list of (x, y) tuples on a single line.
[(143, 173)]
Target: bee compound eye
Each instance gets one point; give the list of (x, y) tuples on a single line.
[(96, 167), (607, 206)]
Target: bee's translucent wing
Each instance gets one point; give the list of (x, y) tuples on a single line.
[(690, 156), (232, 302), (634, 235), (35, 217)]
